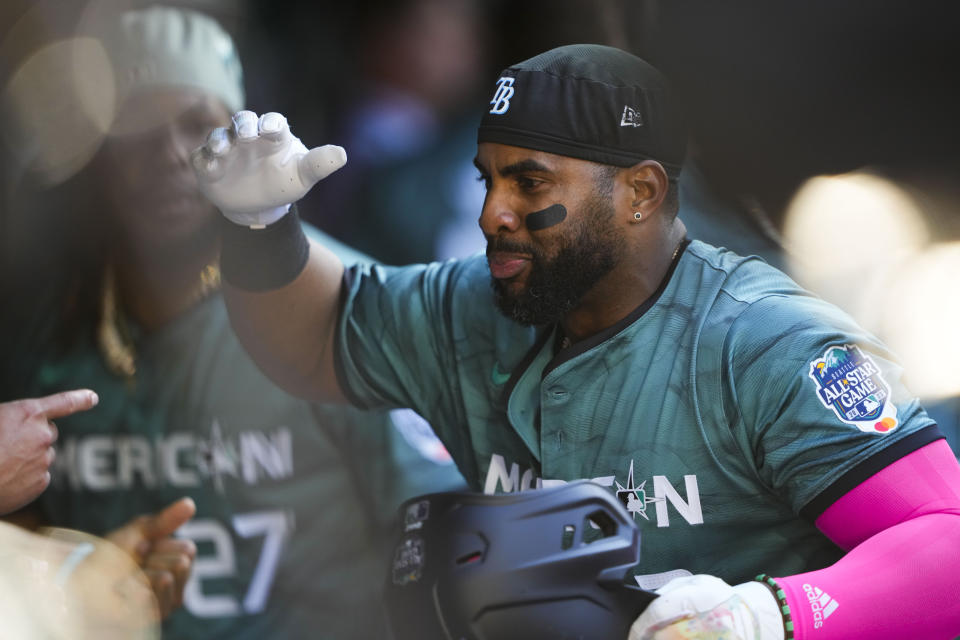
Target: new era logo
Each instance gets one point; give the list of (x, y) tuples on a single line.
[(821, 604), (631, 117)]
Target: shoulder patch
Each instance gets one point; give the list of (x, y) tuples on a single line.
[(851, 384)]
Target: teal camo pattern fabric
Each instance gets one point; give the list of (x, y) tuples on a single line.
[(716, 413)]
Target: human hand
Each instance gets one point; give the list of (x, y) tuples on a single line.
[(60, 583), (166, 561), (27, 434), (255, 169), (94, 589), (703, 607)]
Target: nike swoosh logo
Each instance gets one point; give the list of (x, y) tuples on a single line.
[(499, 377)]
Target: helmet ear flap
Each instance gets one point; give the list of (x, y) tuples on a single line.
[(534, 565)]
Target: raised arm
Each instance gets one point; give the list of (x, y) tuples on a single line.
[(282, 292)]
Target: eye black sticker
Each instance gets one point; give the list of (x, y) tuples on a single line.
[(554, 214)]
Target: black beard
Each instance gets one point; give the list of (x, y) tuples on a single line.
[(555, 286)]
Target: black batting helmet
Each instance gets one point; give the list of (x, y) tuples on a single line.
[(544, 564)]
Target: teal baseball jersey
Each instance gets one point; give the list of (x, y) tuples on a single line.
[(726, 413), (295, 500)]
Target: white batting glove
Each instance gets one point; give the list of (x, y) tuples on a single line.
[(703, 607), (255, 169)]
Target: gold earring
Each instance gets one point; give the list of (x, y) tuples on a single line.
[(637, 215)]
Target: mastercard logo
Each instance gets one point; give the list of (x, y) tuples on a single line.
[(885, 425)]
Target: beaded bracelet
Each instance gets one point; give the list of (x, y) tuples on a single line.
[(782, 601)]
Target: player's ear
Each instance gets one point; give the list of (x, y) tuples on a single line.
[(648, 184)]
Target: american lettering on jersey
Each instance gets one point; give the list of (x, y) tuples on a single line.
[(851, 384), (504, 478), (175, 459)]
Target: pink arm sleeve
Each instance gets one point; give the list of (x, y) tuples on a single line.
[(901, 578)]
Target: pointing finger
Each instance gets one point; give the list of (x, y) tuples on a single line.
[(320, 162), (63, 404)]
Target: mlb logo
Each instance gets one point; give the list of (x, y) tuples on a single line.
[(633, 500)]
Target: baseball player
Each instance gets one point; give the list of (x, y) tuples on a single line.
[(760, 438), (293, 498)]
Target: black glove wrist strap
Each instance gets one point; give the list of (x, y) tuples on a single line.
[(263, 259)]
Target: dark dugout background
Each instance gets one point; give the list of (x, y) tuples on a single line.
[(778, 92), (775, 92)]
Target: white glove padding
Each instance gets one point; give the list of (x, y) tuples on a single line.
[(255, 169), (703, 607)]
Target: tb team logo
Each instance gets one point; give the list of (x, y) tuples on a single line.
[(851, 384), (501, 98)]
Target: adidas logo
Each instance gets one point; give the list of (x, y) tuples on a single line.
[(821, 603)]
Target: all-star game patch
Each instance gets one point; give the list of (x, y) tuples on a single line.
[(851, 384)]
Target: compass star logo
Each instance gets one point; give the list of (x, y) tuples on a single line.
[(634, 498), (217, 457)]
